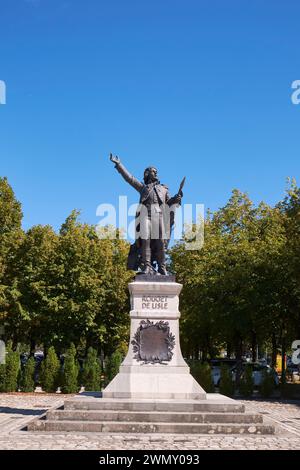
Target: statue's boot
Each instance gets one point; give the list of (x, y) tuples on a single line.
[(162, 270), (147, 270), (146, 257), (161, 258)]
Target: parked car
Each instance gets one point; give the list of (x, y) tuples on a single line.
[(293, 370), (24, 358), (257, 372), (216, 369), (38, 358)]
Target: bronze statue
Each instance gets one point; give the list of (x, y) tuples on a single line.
[(154, 220)]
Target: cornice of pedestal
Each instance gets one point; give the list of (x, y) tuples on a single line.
[(171, 288)]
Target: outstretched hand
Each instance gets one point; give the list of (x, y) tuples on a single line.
[(114, 158)]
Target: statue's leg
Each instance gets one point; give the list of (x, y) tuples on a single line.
[(146, 253), (146, 250), (160, 249), (161, 256)]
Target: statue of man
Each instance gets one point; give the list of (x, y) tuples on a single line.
[(155, 218)]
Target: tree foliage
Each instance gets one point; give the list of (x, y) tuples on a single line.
[(50, 371), (226, 382), (27, 376), (11, 370), (112, 365), (246, 385), (59, 288), (70, 371), (91, 374), (202, 374), (11, 236), (242, 288)]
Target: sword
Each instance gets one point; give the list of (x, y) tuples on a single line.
[(181, 186)]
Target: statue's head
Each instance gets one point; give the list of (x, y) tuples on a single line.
[(150, 175)]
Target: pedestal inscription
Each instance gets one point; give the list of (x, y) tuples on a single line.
[(153, 342), (158, 302)]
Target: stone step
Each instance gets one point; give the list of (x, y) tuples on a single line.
[(153, 416), (135, 427), (204, 406)]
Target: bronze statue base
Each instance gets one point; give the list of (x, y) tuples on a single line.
[(154, 278)]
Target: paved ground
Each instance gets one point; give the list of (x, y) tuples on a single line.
[(17, 409)]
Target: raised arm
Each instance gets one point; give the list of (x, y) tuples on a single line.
[(135, 183)]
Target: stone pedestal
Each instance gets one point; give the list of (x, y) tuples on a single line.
[(154, 391), (154, 367)]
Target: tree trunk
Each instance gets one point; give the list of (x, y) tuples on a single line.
[(229, 349), (253, 346), (32, 347), (283, 365), (239, 353), (274, 351)]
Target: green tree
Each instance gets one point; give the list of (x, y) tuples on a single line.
[(90, 286), (71, 287), (91, 374), (10, 223), (12, 367), (36, 271), (2, 377), (267, 385), (112, 365), (202, 374), (246, 385), (49, 372), (27, 376), (11, 236), (230, 287), (70, 372), (226, 382), (288, 294)]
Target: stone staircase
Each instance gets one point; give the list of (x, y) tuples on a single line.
[(216, 415)]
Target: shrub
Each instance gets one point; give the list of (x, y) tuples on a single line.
[(226, 383), (49, 371), (267, 385), (246, 384), (112, 365), (202, 373), (12, 367), (27, 376), (2, 377), (91, 374), (70, 372), (123, 348)]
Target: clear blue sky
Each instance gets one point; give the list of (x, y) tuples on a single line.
[(200, 88)]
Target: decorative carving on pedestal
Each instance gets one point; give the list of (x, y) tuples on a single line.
[(153, 342)]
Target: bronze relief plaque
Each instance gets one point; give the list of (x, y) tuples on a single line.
[(153, 342)]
